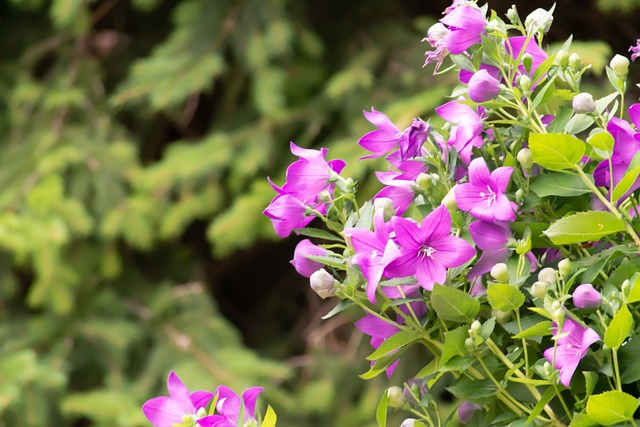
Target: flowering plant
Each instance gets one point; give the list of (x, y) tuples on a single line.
[(504, 243)]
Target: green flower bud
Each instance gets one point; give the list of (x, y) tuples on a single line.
[(501, 316), (424, 181), (564, 267), (620, 65), (520, 195), (396, 397), (547, 369), (562, 59), (575, 61), (251, 423), (525, 158), (450, 199), (470, 344), (325, 196), (555, 306), (539, 289), (558, 316), (527, 62), (547, 275), (524, 83), (500, 272), (512, 15), (475, 327)]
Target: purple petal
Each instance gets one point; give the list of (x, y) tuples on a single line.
[(453, 251), (436, 225), (468, 196), (215, 421), (487, 260), (200, 399), (375, 327), (488, 235), (430, 271), (501, 177), (180, 393), (303, 265), (381, 121), (479, 172), (249, 397), (163, 411), (634, 115)]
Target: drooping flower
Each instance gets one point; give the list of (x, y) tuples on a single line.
[(435, 37), (571, 348), (230, 406), (468, 132), (378, 330), (635, 50), (167, 411), (585, 296), (483, 86), (428, 249), (388, 137), (466, 25), (303, 265), (374, 250), (412, 139), (484, 195), (466, 411), (287, 213)]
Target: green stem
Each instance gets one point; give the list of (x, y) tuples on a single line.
[(561, 399), (616, 368)]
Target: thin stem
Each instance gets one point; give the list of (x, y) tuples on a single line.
[(524, 345), (564, 404), (616, 368)]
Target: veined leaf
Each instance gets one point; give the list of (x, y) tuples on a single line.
[(453, 304), (584, 227), (556, 151)]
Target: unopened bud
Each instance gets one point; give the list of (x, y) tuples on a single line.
[(409, 422), (325, 196), (450, 199), (564, 267), (493, 25), (547, 369), (524, 83), (562, 59), (323, 283), (583, 103), (520, 195), (585, 296), (501, 316), (251, 423), (512, 15), (469, 344), (575, 61), (525, 158), (395, 397), (556, 306), (475, 327), (558, 316), (625, 287), (539, 289), (386, 204), (466, 411), (620, 65), (547, 275), (500, 272), (527, 62), (539, 20)]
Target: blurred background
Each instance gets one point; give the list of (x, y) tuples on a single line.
[(135, 141)]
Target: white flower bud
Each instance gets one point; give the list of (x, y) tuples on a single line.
[(409, 422), (564, 267), (539, 19), (469, 344), (512, 15), (583, 103), (251, 423), (562, 59), (325, 196), (620, 65), (524, 82), (500, 272), (555, 306), (396, 397), (558, 316), (386, 204), (475, 327), (525, 158), (436, 32), (323, 283), (450, 199), (547, 275), (574, 61), (539, 289)]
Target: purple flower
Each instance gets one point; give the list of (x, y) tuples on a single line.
[(635, 49), (166, 411), (483, 196), (388, 137), (585, 296), (466, 25), (301, 263), (287, 213), (468, 132), (400, 191), (571, 347), (230, 406), (308, 176), (428, 249), (483, 86), (374, 250), (514, 46), (466, 411), (378, 330), (435, 37)]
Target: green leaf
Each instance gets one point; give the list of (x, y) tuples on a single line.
[(334, 262), (602, 141), (454, 343), (628, 361), (342, 306), (629, 178), (453, 304), (539, 330), (393, 343), (549, 393), (381, 412), (634, 293), (556, 151), (611, 407), (619, 328), (583, 227), (582, 420), (318, 234), (477, 391), (270, 418), (504, 297), (559, 184)]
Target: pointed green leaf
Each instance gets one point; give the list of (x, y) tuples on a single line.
[(556, 151), (454, 343), (393, 343), (629, 178), (634, 293), (453, 304), (381, 412), (270, 418), (319, 234), (602, 141), (549, 394), (504, 297), (540, 330), (619, 328), (583, 227), (611, 407), (559, 184)]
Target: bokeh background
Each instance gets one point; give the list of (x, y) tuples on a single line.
[(135, 141)]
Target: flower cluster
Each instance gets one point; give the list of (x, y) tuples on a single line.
[(504, 242)]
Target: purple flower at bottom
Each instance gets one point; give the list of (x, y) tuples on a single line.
[(230, 406), (635, 50), (378, 330), (428, 249), (166, 411), (301, 263), (571, 348)]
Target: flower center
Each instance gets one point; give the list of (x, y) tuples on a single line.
[(574, 348), (426, 251), (374, 255), (489, 196)]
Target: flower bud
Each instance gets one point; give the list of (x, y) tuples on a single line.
[(539, 289), (409, 422), (512, 15), (469, 344), (386, 204), (527, 62), (483, 87), (555, 306), (547, 369), (525, 158), (583, 103), (547, 275), (524, 82), (323, 283), (574, 61), (500, 272), (562, 59), (251, 423), (450, 199), (539, 19), (558, 316), (501, 316), (466, 411), (395, 397), (564, 267), (475, 327), (585, 296), (415, 390), (493, 25), (620, 65), (303, 265), (436, 32), (520, 195), (325, 196)]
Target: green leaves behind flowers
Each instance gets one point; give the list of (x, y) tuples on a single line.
[(611, 407), (504, 297), (584, 227), (556, 151), (619, 328), (454, 305)]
